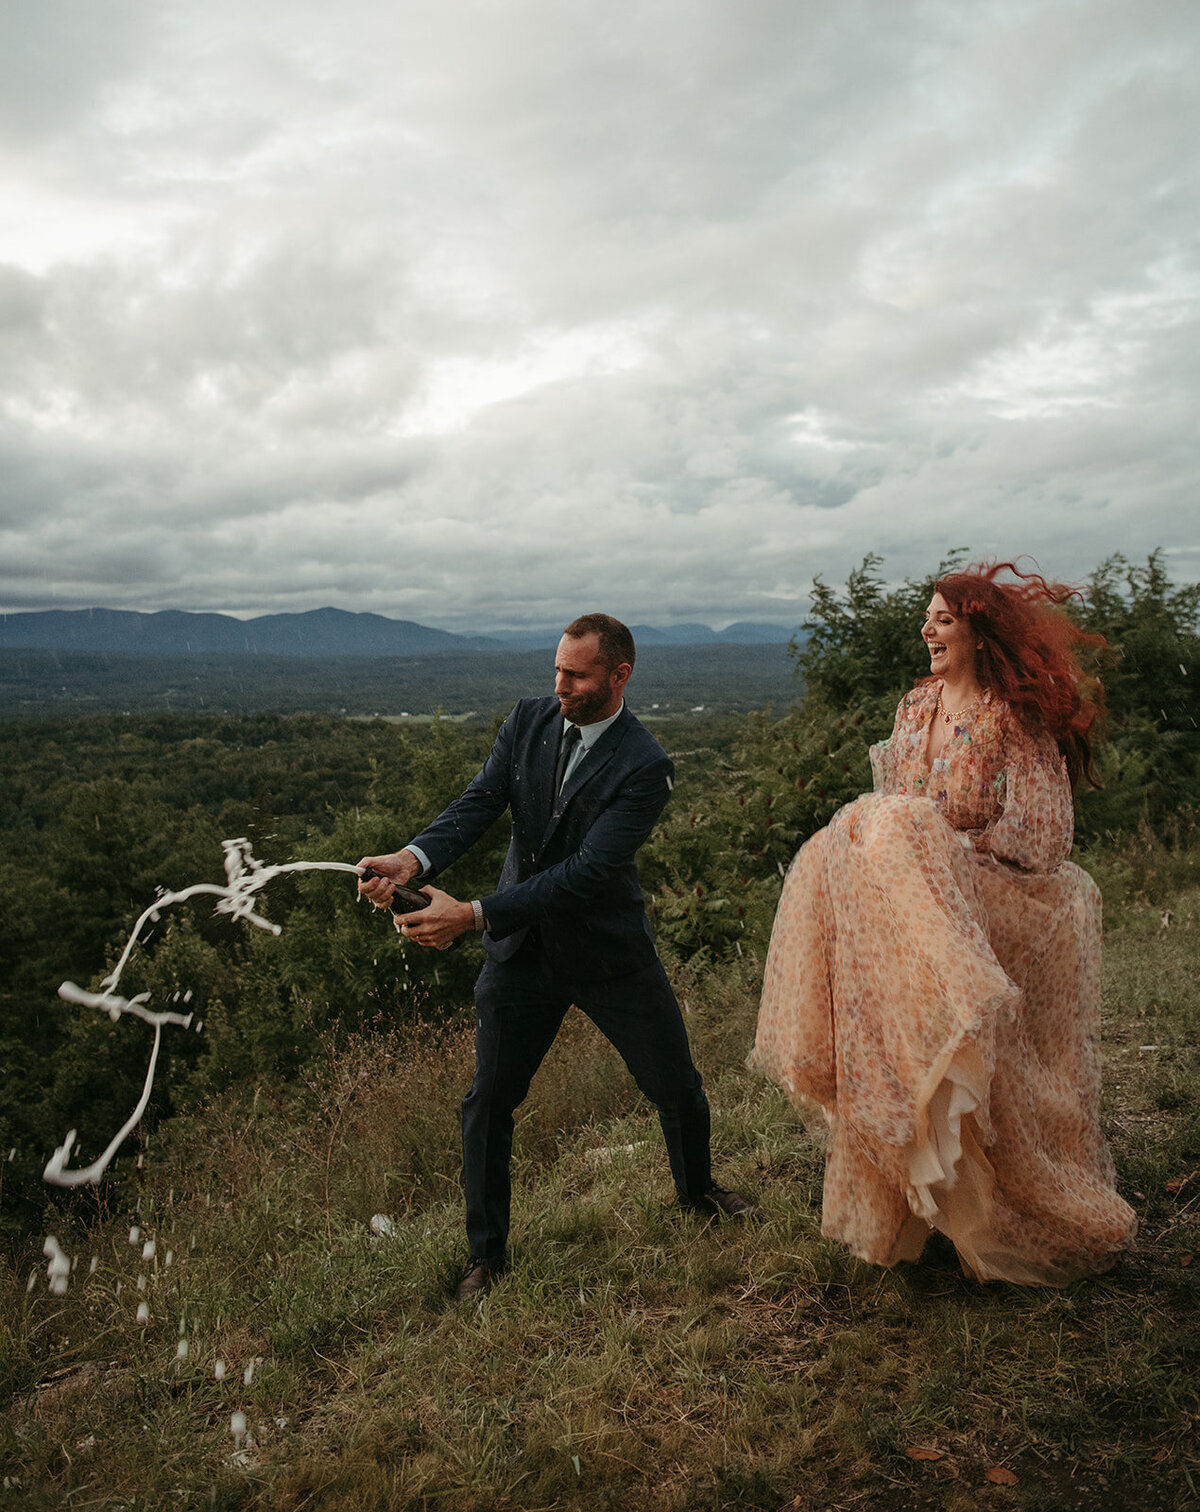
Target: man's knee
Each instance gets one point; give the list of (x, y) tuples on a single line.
[(494, 1095), (678, 1097)]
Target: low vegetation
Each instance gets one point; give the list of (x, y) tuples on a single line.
[(235, 1333), (633, 1357)]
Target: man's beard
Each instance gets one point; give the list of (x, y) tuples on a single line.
[(586, 709)]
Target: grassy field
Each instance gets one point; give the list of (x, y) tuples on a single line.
[(634, 1357)]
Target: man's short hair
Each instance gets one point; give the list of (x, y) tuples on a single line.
[(616, 642)]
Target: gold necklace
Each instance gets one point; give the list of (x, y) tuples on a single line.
[(950, 718)]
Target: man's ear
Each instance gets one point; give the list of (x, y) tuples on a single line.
[(620, 675)]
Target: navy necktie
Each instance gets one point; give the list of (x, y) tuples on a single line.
[(570, 740)]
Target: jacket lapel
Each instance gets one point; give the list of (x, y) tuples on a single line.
[(543, 762), (590, 764)]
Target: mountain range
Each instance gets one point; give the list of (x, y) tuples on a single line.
[(317, 633)]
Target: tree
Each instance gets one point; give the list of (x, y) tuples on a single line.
[(1151, 762), (865, 643)]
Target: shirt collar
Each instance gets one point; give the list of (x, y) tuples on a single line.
[(589, 734)]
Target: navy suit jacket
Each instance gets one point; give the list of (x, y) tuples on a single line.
[(570, 869)]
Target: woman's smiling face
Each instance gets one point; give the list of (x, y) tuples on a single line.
[(950, 641)]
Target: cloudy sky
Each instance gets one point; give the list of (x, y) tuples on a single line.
[(482, 312)]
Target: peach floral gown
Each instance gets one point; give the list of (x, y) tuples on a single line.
[(933, 988)]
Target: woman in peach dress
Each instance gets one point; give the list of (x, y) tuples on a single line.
[(933, 980)]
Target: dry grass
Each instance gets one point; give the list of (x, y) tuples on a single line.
[(633, 1357)]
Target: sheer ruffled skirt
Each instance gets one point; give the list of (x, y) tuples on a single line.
[(941, 1010)]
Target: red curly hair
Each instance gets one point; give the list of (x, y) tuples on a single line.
[(1029, 655)]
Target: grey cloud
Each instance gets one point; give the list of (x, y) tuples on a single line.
[(59, 56), (21, 304), (452, 310)]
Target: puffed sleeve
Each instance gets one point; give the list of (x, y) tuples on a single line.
[(1036, 824), (890, 758)]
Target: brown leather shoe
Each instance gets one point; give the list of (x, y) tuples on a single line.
[(480, 1277), (721, 1202)]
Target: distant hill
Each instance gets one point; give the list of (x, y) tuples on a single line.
[(316, 634), (174, 632)]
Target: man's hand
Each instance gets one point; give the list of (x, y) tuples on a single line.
[(390, 872), (439, 925)]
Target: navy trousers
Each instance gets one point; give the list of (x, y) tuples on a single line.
[(519, 1007)]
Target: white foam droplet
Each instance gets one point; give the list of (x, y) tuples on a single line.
[(143, 1312), (219, 1370), (58, 1267)]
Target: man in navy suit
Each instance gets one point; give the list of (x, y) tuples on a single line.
[(584, 783)]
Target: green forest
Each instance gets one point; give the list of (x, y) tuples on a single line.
[(672, 680), (101, 812)]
